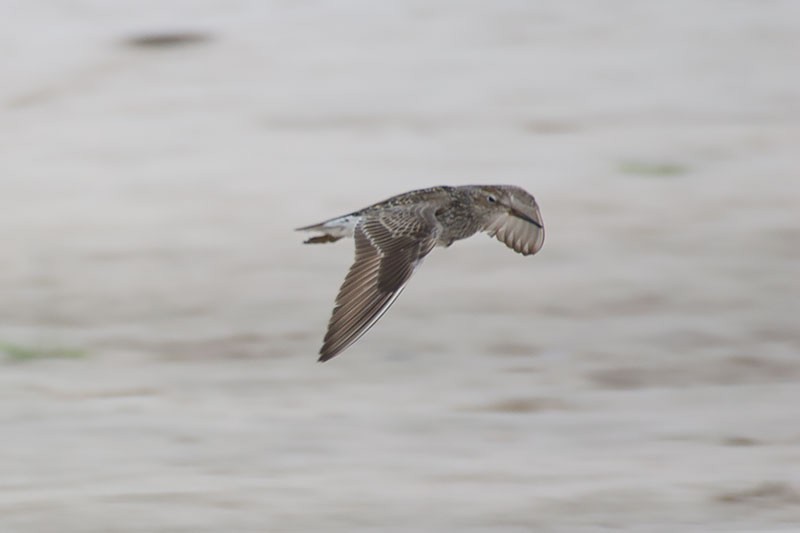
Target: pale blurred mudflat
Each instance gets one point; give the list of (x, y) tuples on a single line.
[(159, 319)]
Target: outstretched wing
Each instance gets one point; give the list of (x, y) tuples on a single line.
[(389, 246), (523, 232)]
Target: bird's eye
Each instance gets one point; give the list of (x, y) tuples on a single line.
[(491, 198)]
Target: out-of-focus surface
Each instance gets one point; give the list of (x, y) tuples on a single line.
[(159, 318)]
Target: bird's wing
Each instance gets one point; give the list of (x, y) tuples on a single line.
[(524, 232), (389, 246)]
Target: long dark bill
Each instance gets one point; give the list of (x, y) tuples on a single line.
[(523, 216)]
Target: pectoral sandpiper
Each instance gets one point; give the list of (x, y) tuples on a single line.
[(393, 236)]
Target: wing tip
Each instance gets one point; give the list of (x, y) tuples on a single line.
[(326, 356)]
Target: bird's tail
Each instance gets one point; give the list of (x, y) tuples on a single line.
[(332, 230)]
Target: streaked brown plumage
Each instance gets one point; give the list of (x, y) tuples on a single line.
[(392, 237)]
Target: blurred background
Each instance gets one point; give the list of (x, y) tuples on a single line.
[(159, 317)]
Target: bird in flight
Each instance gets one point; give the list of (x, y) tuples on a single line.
[(394, 236)]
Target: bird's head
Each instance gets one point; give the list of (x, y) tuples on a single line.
[(512, 215), (508, 199)]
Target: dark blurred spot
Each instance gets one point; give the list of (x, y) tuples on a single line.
[(623, 378), (770, 493), (513, 349), (734, 370), (740, 441), (655, 169), (752, 369), (167, 39), (549, 127), (521, 405)]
